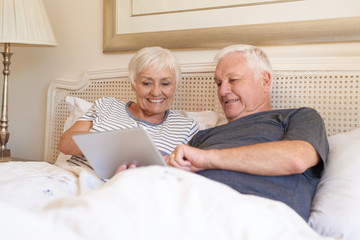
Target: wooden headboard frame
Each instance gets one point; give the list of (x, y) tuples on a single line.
[(335, 94)]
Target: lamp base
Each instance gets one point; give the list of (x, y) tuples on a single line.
[(4, 133), (5, 155)]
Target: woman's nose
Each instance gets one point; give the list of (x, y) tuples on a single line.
[(156, 90)]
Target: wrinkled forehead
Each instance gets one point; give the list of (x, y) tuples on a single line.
[(231, 64)]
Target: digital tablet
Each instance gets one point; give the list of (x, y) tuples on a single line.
[(106, 151)]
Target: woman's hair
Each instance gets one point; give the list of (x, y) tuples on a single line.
[(256, 58), (156, 57)]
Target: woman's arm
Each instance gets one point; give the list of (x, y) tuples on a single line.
[(67, 144)]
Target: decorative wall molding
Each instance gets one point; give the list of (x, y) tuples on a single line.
[(298, 22)]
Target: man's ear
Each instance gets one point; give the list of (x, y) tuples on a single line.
[(266, 80)]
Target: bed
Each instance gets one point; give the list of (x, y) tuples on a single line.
[(49, 200)]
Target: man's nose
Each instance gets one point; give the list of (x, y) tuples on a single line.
[(224, 88)]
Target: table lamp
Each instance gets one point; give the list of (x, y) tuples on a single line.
[(22, 22)]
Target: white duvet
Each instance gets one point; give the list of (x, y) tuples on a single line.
[(43, 201)]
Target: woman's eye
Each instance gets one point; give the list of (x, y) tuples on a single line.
[(146, 83), (166, 83)]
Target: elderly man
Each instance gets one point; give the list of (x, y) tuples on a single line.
[(277, 154)]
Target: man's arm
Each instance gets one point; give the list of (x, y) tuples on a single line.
[(67, 144), (268, 159)]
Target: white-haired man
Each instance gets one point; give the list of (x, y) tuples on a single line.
[(277, 154)]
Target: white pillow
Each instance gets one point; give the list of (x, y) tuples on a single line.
[(336, 205), (77, 107), (205, 119)]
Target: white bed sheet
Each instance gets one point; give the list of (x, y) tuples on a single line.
[(32, 185), (144, 203)]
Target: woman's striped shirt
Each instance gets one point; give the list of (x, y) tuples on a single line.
[(109, 114)]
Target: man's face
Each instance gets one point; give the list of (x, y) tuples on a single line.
[(239, 93)]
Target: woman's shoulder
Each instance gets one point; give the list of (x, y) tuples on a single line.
[(179, 116), (181, 121), (109, 101)]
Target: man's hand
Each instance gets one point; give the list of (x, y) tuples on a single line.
[(188, 158)]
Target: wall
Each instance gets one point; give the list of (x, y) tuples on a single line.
[(78, 29)]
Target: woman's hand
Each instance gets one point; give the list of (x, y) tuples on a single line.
[(124, 167)]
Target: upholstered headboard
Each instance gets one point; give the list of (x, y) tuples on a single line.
[(334, 94)]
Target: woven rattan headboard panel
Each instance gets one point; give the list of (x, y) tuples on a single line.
[(335, 94)]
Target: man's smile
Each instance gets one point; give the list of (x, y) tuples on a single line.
[(231, 101)]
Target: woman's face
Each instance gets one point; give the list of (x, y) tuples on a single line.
[(154, 90)]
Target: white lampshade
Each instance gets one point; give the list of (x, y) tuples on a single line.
[(25, 22)]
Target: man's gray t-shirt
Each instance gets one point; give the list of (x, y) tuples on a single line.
[(296, 190)]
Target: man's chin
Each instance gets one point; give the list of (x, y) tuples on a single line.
[(232, 116)]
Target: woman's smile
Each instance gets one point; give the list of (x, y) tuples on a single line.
[(156, 100)]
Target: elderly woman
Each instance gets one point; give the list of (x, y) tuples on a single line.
[(154, 74)]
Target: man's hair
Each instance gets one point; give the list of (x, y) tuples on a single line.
[(256, 58), (156, 57)]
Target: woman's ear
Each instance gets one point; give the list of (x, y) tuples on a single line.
[(133, 87)]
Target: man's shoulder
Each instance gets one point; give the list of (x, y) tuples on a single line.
[(302, 111), (295, 110)]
